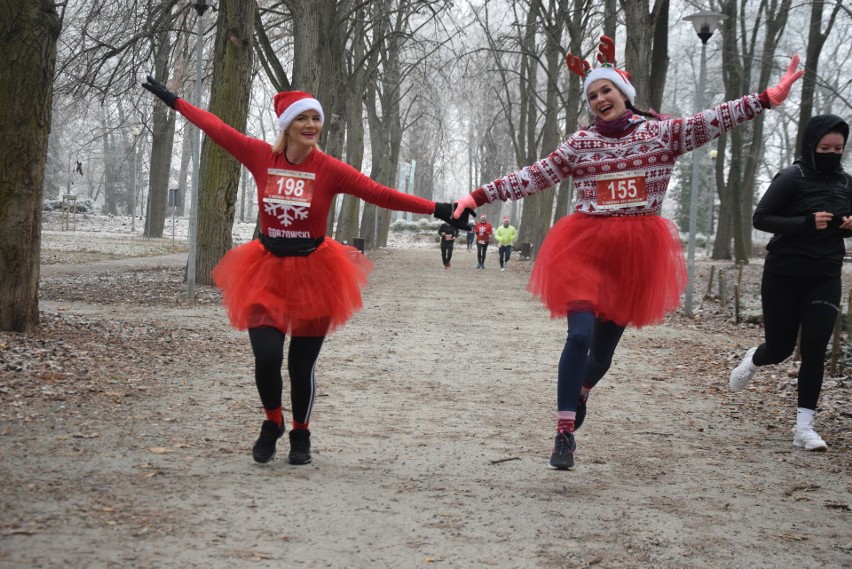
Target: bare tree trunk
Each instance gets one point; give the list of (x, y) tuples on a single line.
[(28, 34), (385, 127), (646, 52), (724, 227), (229, 99), (110, 174), (735, 76), (348, 221), (746, 142), (535, 219), (816, 40), (183, 173), (575, 101), (319, 31), (776, 21), (162, 144)]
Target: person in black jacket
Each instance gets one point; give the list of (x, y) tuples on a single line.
[(808, 207), (448, 235)]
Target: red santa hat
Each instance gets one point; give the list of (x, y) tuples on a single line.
[(619, 77), (290, 104)]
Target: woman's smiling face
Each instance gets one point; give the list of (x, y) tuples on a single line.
[(606, 100)]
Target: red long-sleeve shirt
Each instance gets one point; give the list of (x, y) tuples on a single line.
[(295, 199)]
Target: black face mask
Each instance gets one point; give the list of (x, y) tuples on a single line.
[(827, 162)]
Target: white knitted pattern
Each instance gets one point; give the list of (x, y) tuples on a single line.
[(652, 147)]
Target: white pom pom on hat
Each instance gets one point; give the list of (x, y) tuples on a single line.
[(290, 104)]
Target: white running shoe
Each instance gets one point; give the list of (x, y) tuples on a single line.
[(807, 438), (743, 373)]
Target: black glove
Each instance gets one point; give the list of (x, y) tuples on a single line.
[(160, 91), (444, 212)]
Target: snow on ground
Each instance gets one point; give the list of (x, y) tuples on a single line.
[(112, 235)]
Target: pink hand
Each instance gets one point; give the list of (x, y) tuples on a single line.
[(780, 92), (462, 204)]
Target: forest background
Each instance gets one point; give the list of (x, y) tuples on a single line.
[(431, 96), (106, 459)]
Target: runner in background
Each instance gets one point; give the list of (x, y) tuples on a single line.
[(505, 235), (615, 261), (293, 280), (448, 235), (808, 207), (483, 231)]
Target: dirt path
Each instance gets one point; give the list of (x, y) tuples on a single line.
[(431, 434)]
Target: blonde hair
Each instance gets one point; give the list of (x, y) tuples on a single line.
[(281, 143)]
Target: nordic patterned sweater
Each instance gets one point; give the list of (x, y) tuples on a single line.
[(295, 199), (645, 156)]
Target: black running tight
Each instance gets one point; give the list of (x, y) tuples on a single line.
[(481, 250), (586, 357), (268, 347), (788, 303), (446, 252)]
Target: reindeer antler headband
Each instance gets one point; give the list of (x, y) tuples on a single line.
[(607, 69)]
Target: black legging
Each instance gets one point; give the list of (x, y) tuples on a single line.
[(788, 303), (268, 347), (446, 251), (481, 250), (586, 357)]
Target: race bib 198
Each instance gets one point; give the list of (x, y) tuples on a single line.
[(622, 189), (289, 187)]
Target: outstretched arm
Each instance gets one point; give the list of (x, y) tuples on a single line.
[(248, 150), (707, 125), (778, 94)]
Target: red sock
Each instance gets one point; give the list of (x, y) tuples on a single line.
[(565, 421), (275, 416), (297, 426)]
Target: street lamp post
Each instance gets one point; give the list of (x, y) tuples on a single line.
[(705, 23), (711, 203), (200, 7), (133, 177)]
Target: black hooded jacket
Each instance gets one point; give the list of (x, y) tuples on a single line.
[(787, 209)]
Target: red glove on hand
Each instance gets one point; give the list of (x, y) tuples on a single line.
[(466, 202), (780, 92)]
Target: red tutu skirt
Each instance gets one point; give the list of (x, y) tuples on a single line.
[(629, 270), (301, 296)]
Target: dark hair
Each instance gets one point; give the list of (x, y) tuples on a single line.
[(646, 114), (840, 128)]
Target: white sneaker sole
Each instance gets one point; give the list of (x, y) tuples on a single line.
[(814, 447)]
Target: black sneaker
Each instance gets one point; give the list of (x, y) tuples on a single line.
[(300, 446), (581, 413), (264, 446), (562, 457)]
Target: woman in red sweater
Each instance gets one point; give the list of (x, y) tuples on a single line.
[(293, 280), (614, 262)]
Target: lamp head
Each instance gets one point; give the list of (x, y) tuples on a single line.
[(705, 23)]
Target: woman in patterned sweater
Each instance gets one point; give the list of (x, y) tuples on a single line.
[(615, 261), (293, 280)]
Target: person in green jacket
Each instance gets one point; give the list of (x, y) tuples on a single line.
[(505, 235)]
